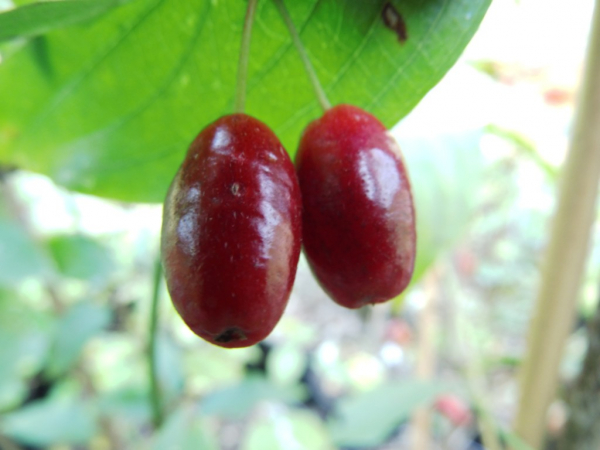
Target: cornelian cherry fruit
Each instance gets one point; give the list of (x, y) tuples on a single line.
[(358, 218), (231, 232)]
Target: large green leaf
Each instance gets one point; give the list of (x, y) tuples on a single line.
[(37, 18), (110, 108)]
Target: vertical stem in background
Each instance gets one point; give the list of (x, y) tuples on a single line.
[(310, 71), (475, 377), (156, 400), (467, 354), (566, 254), (426, 352), (242, 77)]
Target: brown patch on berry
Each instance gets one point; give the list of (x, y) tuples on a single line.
[(231, 335)]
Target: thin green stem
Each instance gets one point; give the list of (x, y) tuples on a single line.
[(156, 400), (310, 70), (242, 78)]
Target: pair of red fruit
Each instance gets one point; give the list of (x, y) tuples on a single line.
[(237, 211)]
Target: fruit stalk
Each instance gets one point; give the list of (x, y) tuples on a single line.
[(240, 100), (308, 67), (155, 394), (566, 254)]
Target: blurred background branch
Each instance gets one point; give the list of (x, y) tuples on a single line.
[(566, 254)]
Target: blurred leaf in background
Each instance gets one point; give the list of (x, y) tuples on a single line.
[(74, 328), (286, 364), (277, 428), (238, 400), (444, 162), (368, 419), (51, 421), (81, 257), (445, 172), (25, 335), (170, 368), (184, 430), (20, 256)]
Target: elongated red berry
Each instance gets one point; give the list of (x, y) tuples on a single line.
[(358, 218), (231, 232)]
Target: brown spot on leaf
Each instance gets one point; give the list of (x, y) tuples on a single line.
[(394, 21)]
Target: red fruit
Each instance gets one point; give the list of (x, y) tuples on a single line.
[(358, 218), (454, 409), (231, 232)]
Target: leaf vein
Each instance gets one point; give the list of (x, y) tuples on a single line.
[(70, 86)]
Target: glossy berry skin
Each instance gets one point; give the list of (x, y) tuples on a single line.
[(358, 218), (231, 232)]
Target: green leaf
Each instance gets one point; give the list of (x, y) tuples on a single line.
[(526, 147), (237, 401), (445, 173), (118, 102), (25, 351), (25, 333), (169, 367), (514, 441), (367, 419), (81, 322), (37, 18), (183, 431), (129, 404), (81, 257), (20, 256), (286, 364), (280, 429), (52, 421)]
